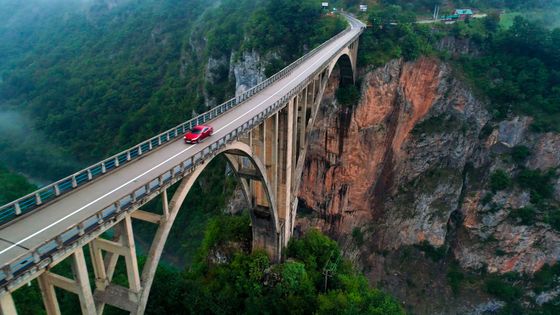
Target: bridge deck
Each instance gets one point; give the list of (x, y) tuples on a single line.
[(48, 222)]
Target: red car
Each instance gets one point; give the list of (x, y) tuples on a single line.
[(198, 133)]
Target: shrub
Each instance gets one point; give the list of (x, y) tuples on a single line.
[(486, 199), (538, 183), (546, 278), (526, 215), (454, 278), (499, 180), (520, 153), (500, 252), (553, 218), (348, 96), (13, 186), (434, 253), (358, 236), (502, 290)]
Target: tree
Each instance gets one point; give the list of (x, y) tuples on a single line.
[(499, 180)]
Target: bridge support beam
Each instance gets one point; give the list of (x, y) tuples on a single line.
[(49, 295), (7, 305), (79, 285), (104, 268)]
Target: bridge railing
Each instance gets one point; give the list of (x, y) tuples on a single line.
[(47, 251), (36, 199)]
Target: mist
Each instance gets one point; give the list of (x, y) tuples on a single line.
[(29, 152)]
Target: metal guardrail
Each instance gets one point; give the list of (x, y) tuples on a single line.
[(36, 199), (44, 253)]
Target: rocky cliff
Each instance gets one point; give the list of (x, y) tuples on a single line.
[(245, 70), (413, 165)]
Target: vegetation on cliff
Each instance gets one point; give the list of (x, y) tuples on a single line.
[(314, 279), (505, 215)]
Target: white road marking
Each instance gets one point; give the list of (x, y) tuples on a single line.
[(171, 158)]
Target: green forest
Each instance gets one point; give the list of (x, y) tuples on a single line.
[(94, 80), (518, 69)]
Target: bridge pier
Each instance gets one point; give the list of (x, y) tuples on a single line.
[(7, 305), (79, 286), (104, 268)]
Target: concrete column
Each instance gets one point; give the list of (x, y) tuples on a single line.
[(303, 121), (276, 140), (259, 149), (165, 204), (294, 128), (49, 295), (271, 151), (104, 268), (131, 259), (98, 264), (79, 269), (286, 163), (265, 140), (7, 305), (314, 94), (250, 138)]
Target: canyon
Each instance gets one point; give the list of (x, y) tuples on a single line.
[(409, 167)]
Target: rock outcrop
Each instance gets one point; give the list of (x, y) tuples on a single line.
[(410, 165), (248, 71), (370, 169)]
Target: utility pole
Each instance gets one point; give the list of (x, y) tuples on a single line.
[(330, 269), (436, 12)]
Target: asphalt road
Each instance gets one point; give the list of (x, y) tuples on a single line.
[(46, 223)]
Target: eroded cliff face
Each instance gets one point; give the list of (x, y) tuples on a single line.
[(355, 177), (244, 71), (411, 164)]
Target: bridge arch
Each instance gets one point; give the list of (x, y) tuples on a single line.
[(265, 223), (346, 61)]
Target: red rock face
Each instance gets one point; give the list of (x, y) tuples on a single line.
[(344, 167), (409, 164), (410, 159)]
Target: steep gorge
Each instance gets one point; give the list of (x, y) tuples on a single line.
[(409, 167)]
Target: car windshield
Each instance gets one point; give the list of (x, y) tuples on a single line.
[(196, 131)]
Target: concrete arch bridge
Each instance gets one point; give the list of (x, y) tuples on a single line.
[(263, 135)]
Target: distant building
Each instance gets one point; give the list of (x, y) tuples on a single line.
[(363, 7), (462, 14), (325, 4)]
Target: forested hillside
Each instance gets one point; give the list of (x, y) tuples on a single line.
[(517, 68), (94, 77)]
